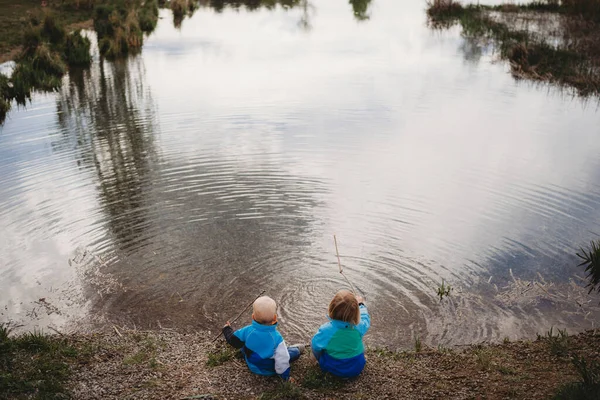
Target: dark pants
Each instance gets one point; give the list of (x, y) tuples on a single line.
[(294, 353)]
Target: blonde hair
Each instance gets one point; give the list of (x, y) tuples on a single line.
[(264, 310), (344, 307)]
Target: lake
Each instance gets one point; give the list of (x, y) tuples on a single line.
[(168, 189)]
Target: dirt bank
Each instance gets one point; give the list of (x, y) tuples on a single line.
[(171, 365)]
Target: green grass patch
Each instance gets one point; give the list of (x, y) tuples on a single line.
[(316, 379), (284, 391), (221, 356), (34, 365)]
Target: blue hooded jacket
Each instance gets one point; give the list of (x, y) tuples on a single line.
[(339, 348), (263, 347)]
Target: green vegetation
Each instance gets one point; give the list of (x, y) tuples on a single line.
[(573, 62), (221, 356), (558, 343), (121, 24), (418, 344), (591, 261), (77, 50), (33, 366), (484, 358), (443, 290), (47, 50), (588, 388), (316, 379), (15, 17), (284, 391)]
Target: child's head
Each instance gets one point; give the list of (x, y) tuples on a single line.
[(344, 307), (264, 310)]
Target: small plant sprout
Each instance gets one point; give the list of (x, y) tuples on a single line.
[(418, 344), (443, 290), (591, 261)]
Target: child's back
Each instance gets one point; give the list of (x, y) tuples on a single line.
[(338, 344), (261, 343)]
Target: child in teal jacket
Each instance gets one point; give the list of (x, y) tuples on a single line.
[(338, 345)]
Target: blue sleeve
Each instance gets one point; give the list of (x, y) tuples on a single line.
[(365, 320), (320, 341), (236, 339)]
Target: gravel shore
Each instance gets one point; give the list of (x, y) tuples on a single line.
[(171, 365)]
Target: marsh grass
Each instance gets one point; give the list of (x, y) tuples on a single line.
[(33, 365), (444, 9), (77, 50), (5, 102), (575, 64), (121, 26)]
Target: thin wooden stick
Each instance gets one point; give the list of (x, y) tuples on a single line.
[(239, 315), (340, 266)]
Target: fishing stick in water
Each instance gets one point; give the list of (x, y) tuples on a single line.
[(340, 265), (239, 315)]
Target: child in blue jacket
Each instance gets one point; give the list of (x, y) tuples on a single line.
[(338, 345), (262, 345)]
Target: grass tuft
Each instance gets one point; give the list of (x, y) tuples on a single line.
[(316, 379), (588, 388), (33, 365), (221, 356), (284, 391), (591, 261), (559, 342), (77, 50)]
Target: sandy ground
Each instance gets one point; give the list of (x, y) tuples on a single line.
[(170, 365)]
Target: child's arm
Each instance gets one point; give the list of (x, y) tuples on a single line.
[(235, 339), (365, 320), (319, 342), (282, 361)]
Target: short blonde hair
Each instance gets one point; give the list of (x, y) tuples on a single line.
[(264, 310), (344, 307)]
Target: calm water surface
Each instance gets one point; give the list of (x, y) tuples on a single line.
[(168, 189)]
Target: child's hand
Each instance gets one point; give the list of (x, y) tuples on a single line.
[(292, 380), (360, 299), (228, 324)]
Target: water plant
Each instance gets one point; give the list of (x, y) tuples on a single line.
[(591, 261), (443, 290), (418, 344), (5, 102), (77, 50), (121, 25)]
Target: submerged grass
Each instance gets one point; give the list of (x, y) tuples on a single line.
[(33, 365)]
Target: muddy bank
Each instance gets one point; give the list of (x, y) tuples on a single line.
[(169, 365)]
